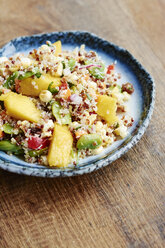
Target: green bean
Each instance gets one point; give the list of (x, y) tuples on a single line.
[(36, 153), (89, 141), (66, 119)]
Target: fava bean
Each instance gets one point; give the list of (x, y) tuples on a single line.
[(7, 146), (66, 119), (7, 128), (89, 141)]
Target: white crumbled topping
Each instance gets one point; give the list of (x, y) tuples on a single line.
[(44, 160), (66, 71), (126, 96), (16, 131), (98, 150), (122, 131), (13, 141), (34, 84), (99, 126), (26, 62), (47, 125), (45, 48), (74, 125), (92, 118)]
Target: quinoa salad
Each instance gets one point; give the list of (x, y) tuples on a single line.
[(57, 106)]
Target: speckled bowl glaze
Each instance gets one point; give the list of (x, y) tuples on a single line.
[(144, 85)]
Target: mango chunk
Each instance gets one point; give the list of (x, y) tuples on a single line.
[(106, 108), (57, 44), (60, 147), (20, 107), (33, 87)]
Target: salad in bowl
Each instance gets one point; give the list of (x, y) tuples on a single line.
[(59, 106)]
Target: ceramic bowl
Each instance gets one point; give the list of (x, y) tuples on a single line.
[(141, 105)]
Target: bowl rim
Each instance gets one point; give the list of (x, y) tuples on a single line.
[(91, 166)]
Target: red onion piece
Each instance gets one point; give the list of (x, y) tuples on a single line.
[(76, 99), (88, 66)]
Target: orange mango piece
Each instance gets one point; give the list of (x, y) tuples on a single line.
[(60, 147), (106, 108), (58, 46), (20, 107)]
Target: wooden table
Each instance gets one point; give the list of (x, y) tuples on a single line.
[(122, 205)]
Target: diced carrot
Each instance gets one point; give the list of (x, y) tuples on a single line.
[(67, 94), (86, 77), (110, 68)]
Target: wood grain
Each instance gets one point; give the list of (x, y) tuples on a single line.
[(122, 205)]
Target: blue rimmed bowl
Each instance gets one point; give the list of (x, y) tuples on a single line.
[(140, 106)]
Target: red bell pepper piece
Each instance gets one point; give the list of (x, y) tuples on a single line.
[(110, 68), (37, 143)]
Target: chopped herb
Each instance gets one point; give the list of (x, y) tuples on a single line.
[(10, 82), (77, 128), (28, 74), (70, 84), (38, 74), (51, 102), (48, 43), (36, 153), (52, 90), (63, 63), (72, 63), (88, 96), (116, 125)]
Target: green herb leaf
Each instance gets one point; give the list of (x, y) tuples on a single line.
[(38, 74), (116, 125), (52, 90), (70, 84), (28, 74), (10, 82), (88, 96), (36, 153), (71, 63), (63, 63)]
